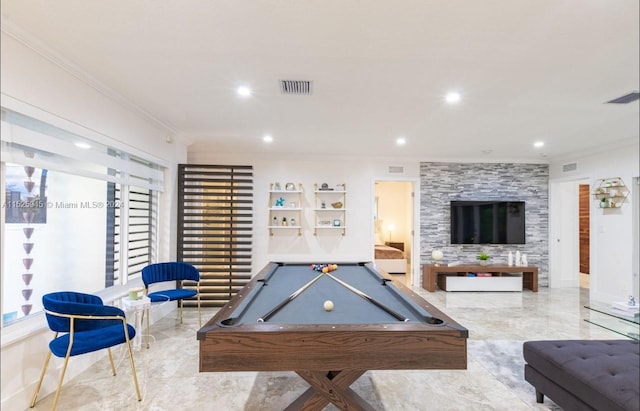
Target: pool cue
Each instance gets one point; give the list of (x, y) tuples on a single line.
[(288, 299), (397, 315)]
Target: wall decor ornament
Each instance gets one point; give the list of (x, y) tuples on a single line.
[(28, 215), (610, 192), (285, 208)]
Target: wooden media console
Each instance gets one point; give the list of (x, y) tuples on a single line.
[(431, 274)]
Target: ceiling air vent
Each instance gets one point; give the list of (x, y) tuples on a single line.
[(569, 167), (300, 87), (628, 98), (396, 169)]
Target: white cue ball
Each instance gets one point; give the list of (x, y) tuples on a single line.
[(328, 305)]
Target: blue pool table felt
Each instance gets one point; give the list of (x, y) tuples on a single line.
[(308, 307)]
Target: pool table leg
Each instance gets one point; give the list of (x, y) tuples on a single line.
[(329, 387)]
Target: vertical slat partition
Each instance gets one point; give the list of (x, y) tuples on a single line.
[(215, 225)]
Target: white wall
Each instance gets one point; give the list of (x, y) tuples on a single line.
[(635, 190), (27, 76), (358, 174), (611, 245)]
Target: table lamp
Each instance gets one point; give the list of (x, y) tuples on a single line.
[(391, 227), (437, 256)]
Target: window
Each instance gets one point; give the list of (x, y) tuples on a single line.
[(139, 208), (215, 222), (141, 215), (76, 213)]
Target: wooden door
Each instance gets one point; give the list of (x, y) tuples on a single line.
[(583, 207)]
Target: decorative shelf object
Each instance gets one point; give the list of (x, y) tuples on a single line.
[(285, 207), (330, 208), (610, 192)]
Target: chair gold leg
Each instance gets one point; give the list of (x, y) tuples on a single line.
[(148, 326), (133, 366), (64, 369), (44, 370), (113, 367)]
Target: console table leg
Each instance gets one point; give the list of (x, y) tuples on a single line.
[(530, 280), (428, 279)]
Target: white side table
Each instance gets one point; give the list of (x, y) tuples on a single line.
[(137, 307)]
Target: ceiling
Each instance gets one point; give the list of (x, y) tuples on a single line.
[(527, 70)]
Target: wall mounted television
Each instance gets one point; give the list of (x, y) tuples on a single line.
[(487, 222)]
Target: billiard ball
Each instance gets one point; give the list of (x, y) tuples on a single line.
[(328, 305)]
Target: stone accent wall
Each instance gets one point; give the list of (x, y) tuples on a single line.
[(441, 183)]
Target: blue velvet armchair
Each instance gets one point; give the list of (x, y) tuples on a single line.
[(177, 272), (83, 324)]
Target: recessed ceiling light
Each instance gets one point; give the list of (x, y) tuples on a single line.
[(244, 91), (452, 97), (267, 139), (83, 145), (538, 144), (487, 151), (401, 141)]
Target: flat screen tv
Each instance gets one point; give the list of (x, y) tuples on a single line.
[(487, 222)]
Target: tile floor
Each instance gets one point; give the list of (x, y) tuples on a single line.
[(498, 324)]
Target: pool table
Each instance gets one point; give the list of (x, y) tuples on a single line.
[(278, 322)]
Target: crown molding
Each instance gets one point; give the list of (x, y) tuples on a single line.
[(38, 46)]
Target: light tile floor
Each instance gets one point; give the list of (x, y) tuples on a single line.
[(498, 324)]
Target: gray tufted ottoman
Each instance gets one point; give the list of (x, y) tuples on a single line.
[(585, 374)]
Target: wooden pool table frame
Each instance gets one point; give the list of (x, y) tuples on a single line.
[(330, 357)]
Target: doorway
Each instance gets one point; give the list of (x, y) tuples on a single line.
[(394, 220), (584, 232), (565, 246)]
